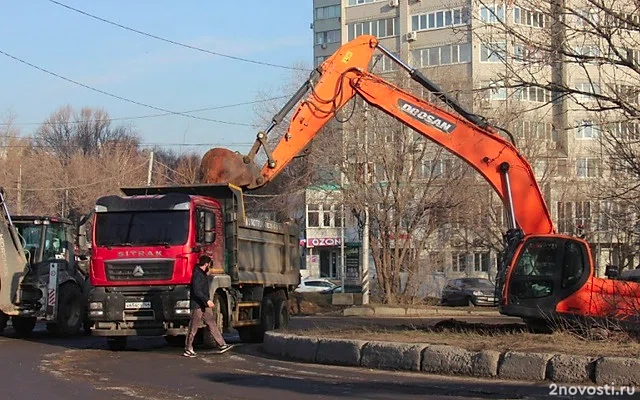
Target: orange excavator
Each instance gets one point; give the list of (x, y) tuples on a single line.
[(543, 275)]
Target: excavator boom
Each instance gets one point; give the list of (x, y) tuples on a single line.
[(344, 75)]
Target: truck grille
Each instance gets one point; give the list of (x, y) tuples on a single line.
[(140, 271)]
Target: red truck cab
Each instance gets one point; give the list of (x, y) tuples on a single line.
[(144, 249)]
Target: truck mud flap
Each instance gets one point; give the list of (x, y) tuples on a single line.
[(12, 262)]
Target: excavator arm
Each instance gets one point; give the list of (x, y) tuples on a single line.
[(345, 75)]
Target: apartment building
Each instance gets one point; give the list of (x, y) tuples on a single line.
[(462, 46)]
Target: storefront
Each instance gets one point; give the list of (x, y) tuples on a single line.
[(323, 258)]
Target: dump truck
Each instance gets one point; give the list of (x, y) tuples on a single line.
[(146, 243), (39, 276)]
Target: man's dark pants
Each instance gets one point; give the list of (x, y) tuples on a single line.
[(197, 316)]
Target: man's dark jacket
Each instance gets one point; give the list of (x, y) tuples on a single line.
[(199, 292)]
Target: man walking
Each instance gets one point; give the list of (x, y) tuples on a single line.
[(201, 308)]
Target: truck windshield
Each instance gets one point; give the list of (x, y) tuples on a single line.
[(142, 228)]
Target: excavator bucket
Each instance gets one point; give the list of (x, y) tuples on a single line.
[(13, 262), (221, 165)]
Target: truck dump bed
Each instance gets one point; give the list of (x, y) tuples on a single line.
[(257, 251)]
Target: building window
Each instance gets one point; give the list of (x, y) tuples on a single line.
[(327, 12), (328, 37), (587, 130), (535, 94), (493, 52), (583, 214), (380, 28), (587, 167), (588, 88), (492, 13), (459, 262), (626, 93), (326, 215), (481, 261), (359, 2), (495, 91), (587, 51), (586, 17), (436, 261), (313, 215), (442, 55), (320, 60), (534, 130), (533, 19), (384, 63), (625, 130), (439, 19)]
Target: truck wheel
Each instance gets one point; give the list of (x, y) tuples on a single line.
[(281, 313), (175, 340), (255, 334), (71, 311), (219, 314), (23, 325), (4, 319), (117, 343)]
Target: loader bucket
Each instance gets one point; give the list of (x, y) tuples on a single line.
[(13, 262)]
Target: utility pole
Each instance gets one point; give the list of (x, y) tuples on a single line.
[(150, 169), (20, 190), (365, 229)]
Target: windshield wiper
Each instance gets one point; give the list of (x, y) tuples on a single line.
[(127, 244)]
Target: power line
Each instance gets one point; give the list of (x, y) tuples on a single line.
[(81, 185), (173, 41), (145, 116), (9, 146), (164, 110)]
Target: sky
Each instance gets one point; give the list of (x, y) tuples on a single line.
[(146, 70)]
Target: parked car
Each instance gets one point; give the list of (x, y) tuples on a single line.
[(318, 285), (469, 292)]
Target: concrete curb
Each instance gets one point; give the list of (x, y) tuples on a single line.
[(413, 312), (450, 360)]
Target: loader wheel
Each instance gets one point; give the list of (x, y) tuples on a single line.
[(23, 325), (71, 310)]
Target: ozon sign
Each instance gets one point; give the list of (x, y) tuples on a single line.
[(317, 242)]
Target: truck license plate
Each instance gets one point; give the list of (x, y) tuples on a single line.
[(137, 304)]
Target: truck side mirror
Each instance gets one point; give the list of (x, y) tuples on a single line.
[(82, 237), (209, 228), (611, 271)]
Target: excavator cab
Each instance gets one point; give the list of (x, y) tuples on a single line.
[(548, 272)]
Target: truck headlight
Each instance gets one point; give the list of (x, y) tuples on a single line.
[(477, 293), (182, 304), (95, 306)]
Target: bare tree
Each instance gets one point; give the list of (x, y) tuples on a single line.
[(67, 132)]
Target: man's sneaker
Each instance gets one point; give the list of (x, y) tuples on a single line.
[(189, 353), (224, 348)]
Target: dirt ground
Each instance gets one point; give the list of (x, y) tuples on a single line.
[(313, 304), (504, 337)]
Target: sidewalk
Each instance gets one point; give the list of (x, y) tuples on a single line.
[(386, 311)]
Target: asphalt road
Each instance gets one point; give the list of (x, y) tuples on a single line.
[(82, 368)]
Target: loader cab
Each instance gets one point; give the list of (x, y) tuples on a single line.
[(45, 238)]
